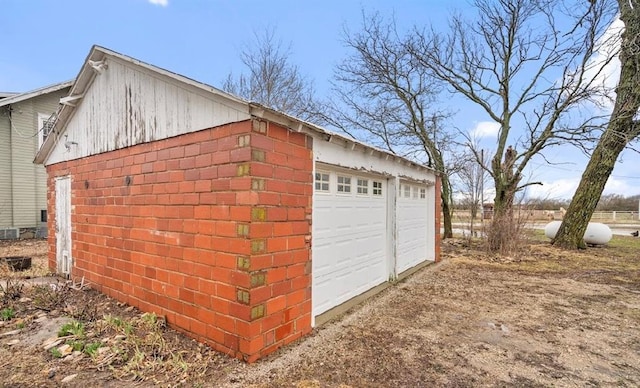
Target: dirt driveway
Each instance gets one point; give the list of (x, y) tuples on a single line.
[(541, 318)]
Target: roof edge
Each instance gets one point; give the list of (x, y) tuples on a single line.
[(298, 125), (35, 93)]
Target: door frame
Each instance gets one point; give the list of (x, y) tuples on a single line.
[(64, 259)]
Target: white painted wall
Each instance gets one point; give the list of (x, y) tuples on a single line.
[(128, 105), (340, 153)]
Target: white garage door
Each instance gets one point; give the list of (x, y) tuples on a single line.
[(413, 227), (349, 236)]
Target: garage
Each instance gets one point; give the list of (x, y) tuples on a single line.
[(241, 225), (413, 225), (349, 235)]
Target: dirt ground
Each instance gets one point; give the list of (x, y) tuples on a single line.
[(543, 317)]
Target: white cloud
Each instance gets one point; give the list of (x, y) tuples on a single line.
[(606, 78), (485, 129), (162, 3), (565, 188), (556, 189)]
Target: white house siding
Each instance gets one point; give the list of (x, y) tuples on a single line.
[(24, 192), (139, 106), (6, 214)]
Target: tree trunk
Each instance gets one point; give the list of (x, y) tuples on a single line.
[(570, 235), (622, 129), (501, 234), (446, 207)]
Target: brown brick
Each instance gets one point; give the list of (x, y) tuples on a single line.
[(257, 155), (259, 126), (243, 230), (243, 296), (257, 312), (257, 184), (243, 170), (244, 263), (258, 214), (244, 140), (258, 279), (258, 246)]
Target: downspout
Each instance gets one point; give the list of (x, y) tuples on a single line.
[(10, 109)]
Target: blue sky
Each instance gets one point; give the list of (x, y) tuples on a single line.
[(46, 42)]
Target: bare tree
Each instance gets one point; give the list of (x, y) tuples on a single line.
[(383, 96), (271, 79), (471, 179), (623, 128), (528, 74)]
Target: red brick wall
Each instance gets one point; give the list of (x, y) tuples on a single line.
[(210, 229)]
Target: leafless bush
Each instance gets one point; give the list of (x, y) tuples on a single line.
[(509, 229), (10, 288), (51, 296)]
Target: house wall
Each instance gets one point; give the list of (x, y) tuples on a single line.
[(6, 212), (24, 194), (210, 229)]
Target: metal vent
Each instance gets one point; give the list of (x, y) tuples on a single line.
[(9, 234)]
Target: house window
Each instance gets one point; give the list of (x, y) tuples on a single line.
[(45, 124), (363, 186), (322, 181), (344, 184), (423, 193), (377, 188), (407, 191)]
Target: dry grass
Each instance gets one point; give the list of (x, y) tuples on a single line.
[(34, 248), (539, 316), (616, 263)]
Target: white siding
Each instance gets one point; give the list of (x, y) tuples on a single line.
[(6, 212), (340, 154), (23, 190), (128, 105)]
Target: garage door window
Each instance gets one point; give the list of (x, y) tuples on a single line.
[(363, 186), (377, 188), (423, 193), (407, 191), (322, 181), (344, 184)]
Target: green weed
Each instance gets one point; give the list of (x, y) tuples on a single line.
[(6, 314), (72, 328)]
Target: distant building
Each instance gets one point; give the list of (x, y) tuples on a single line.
[(23, 184)]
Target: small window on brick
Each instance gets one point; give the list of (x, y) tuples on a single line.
[(322, 181), (407, 191), (377, 188), (423, 193), (363, 186), (344, 184)]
